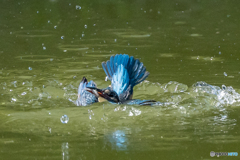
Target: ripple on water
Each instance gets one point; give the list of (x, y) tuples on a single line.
[(35, 58), (80, 70), (98, 55), (168, 55), (25, 77), (179, 22), (133, 34), (33, 33), (70, 47), (205, 58), (129, 33), (195, 35)]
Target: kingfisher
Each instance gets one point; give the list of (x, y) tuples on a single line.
[(124, 72)]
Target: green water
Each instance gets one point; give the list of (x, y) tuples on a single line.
[(48, 46)]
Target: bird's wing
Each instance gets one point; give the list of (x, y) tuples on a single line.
[(85, 97), (120, 80), (82, 86), (136, 70)]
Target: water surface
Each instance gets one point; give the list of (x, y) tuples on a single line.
[(190, 48)]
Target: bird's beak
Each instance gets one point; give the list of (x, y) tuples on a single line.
[(102, 96), (93, 90), (98, 93)]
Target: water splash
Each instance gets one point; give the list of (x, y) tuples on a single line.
[(64, 119), (65, 152), (78, 7), (225, 95)]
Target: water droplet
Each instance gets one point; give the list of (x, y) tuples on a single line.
[(224, 87), (85, 26), (55, 27), (64, 119), (219, 52), (65, 50), (62, 37), (225, 74), (44, 48), (83, 35), (90, 117), (37, 11), (115, 40), (30, 68), (49, 21), (78, 7), (24, 93)]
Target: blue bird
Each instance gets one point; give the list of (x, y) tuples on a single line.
[(124, 72), (84, 96)]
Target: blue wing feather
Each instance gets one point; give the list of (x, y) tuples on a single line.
[(123, 71), (109, 68), (130, 65), (112, 64), (104, 65), (115, 62), (139, 69), (120, 80), (142, 79)]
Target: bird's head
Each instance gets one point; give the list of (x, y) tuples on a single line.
[(106, 94)]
